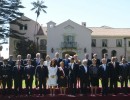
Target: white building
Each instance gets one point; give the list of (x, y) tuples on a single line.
[(72, 38), (68, 37)]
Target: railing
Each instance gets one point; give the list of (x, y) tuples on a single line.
[(69, 45)]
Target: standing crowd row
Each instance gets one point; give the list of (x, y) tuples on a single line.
[(69, 72)]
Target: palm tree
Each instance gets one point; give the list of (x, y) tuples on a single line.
[(38, 7)]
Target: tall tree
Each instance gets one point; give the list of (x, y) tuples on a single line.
[(24, 47), (38, 7), (9, 11)]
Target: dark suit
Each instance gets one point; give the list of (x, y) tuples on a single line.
[(98, 63), (73, 77), (123, 73), (35, 63), (84, 78), (66, 62), (89, 62), (58, 60), (6, 76), (114, 76), (42, 75), (18, 74), (29, 72), (1, 63), (104, 75), (12, 64), (62, 77)]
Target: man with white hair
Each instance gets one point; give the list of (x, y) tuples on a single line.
[(36, 62), (84, 76)]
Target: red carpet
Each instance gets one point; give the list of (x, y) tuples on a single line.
[(58, 97), (35, 96)]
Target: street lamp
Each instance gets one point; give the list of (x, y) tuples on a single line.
[(37, 43)]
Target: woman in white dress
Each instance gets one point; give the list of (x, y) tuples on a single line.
[(52, 77)]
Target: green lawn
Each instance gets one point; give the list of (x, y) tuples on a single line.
[(99, 83)]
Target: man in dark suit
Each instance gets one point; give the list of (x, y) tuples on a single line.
[(36, 62), (11, 62), (89, 62), (20, 59), (6, 74), (104, 75), (73, 72), (84, 76), (66, 63), (27, 58), (58, 59), (114, 74), (42, 75), (66, 60), (123, 75), (29, 73), (1, 63), (18, 74)]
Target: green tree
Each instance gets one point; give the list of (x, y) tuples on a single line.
[(38, 7), (24, 47), (9, 11)]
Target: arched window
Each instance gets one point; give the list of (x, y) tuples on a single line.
[(113, 53), (104, 51), (43, 44)]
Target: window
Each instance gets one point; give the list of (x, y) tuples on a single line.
[(104, 42), (119, 43), (93, 42), (23, 27), (69, 38), (43, 43), (113, 53), (128, 43), (103, 52)]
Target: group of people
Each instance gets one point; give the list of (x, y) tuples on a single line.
[(69, 72)]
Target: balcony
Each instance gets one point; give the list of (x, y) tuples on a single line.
[(69, 45)]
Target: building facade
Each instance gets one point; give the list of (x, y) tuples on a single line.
[(72, 38)]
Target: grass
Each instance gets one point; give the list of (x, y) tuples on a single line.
[(24, 85)]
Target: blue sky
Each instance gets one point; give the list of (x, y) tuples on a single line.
[(96, 13)]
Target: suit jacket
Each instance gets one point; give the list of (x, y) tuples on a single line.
[(41, 72), (124, 70), (35, 63), (83, 74), (22, 62), (58, 61), (104, 73), (25, 62), (73, 73), (114, 71), (18, 73), (1, 63), (66, 62), (29, 71), (6, 71), (89, 62)]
